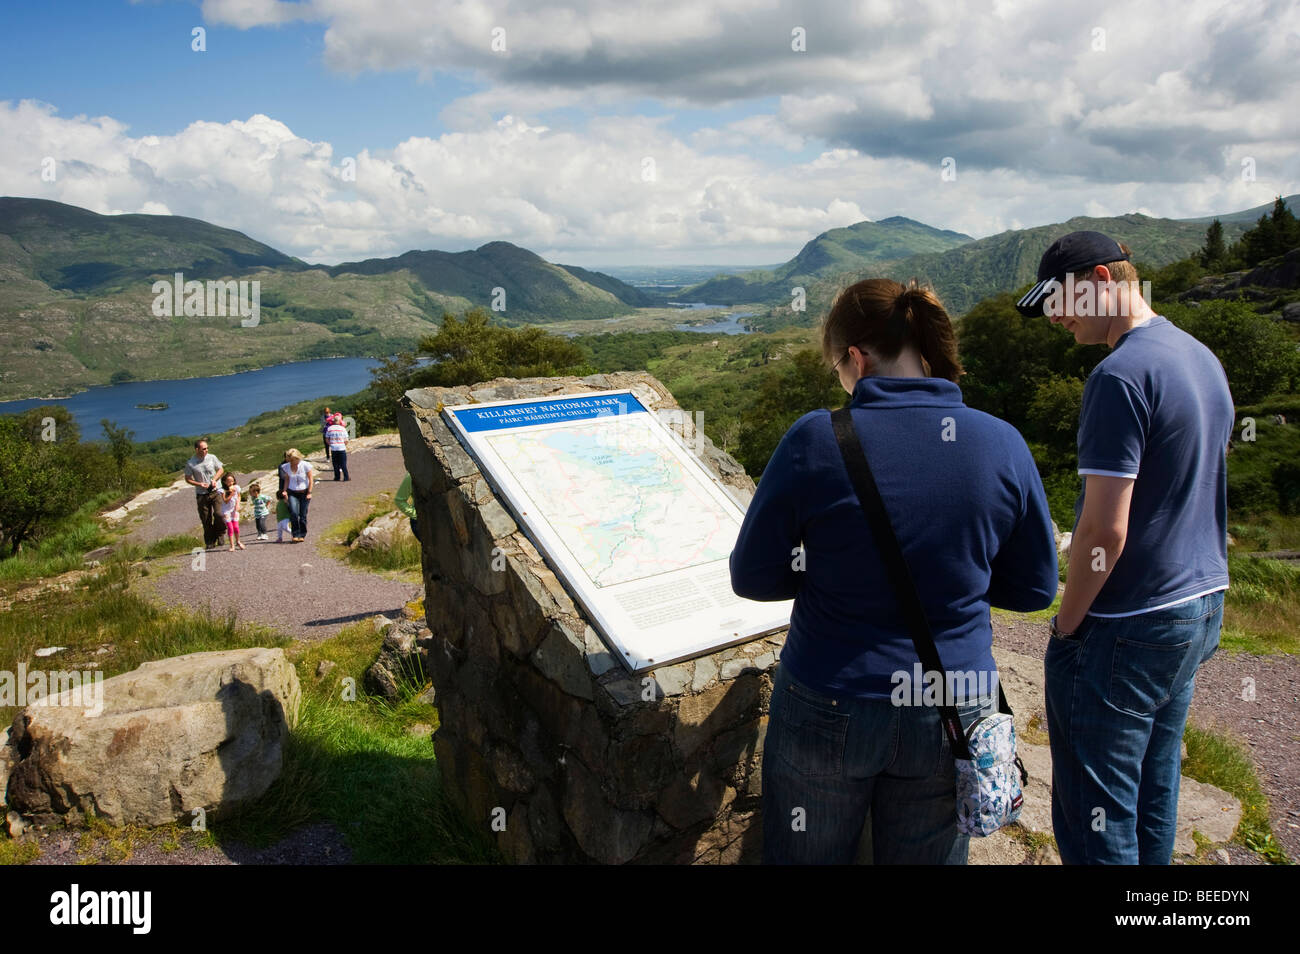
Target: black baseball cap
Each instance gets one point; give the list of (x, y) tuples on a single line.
[(1068, 254)]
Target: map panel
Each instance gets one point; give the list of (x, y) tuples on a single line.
[(624, 513), (637, 528)]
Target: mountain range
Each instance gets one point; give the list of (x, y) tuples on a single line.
[(962, 270), (75, 288)]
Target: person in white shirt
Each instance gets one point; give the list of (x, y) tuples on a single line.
[(297, 477), (336, 439)]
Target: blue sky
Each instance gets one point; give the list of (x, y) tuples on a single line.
[(600, 134)]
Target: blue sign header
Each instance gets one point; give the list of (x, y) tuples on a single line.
[(546, 411)]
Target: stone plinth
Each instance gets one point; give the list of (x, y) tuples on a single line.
[(545, 740)]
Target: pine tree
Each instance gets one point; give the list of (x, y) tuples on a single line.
[(1286, 228), (1214, 254), (1273, 235)]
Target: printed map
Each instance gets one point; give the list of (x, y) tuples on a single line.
[(618, 498)]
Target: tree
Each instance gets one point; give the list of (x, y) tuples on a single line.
[(796, 386), (1053, 416), (388, 383), (40, 480), (472, 349), (1256, 351), (119, 447), (1214, 254), (49, 423), (1006, 356), (1274, 234)]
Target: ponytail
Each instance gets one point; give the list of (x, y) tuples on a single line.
[(887, 317), (931, 332)]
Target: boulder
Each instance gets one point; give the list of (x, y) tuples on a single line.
[(402, 658), (385, 532), (1291, 311), (205, 730), (1206, 809)]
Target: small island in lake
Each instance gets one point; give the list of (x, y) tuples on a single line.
[(160, 406)]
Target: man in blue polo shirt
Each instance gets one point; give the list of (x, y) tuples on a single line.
[(1143, 603)]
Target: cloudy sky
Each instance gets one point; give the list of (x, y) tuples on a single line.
[(604, 132)]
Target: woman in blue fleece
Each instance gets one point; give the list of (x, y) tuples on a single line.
[(849, 732)]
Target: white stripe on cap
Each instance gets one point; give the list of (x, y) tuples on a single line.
[(1035, 294)]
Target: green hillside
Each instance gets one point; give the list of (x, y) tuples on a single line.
[(832, 253), (535, 290), (76, 250), (1246, 217), (1004, 262), (76, 298)]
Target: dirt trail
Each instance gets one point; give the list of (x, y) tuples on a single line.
[(295, 588)]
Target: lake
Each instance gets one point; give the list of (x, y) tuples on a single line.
[(207, 405), (729, 325)]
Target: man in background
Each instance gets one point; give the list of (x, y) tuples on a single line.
[(1143, 601), (203, 472)]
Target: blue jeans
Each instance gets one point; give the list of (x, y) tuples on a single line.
[(1118, 691), (339, 459), (828, 761), (298, 513)]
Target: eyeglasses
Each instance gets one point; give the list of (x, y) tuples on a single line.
[(836, 366)]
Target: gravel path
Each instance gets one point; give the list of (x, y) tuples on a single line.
[(294, 588), (1269, 725)]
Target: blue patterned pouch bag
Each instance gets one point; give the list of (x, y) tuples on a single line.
[(989, 793)]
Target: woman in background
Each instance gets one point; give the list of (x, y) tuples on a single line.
[(967, 505), (297, 477)]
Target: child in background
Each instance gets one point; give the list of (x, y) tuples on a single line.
[(230, 510), (282, 518), (261, 509)]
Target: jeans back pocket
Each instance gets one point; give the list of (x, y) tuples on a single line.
[(811, 732), (1142, 675)]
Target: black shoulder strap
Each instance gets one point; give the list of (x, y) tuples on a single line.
[(899, 574)]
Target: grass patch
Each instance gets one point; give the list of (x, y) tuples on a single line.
[(1217, 760), (100, 842), (1033, 841), (18, 852), (1038, 616), (402, 558), (354, 762), (64, 545), (1035, 732), (169, 546), (101, 612), (1261, 606)]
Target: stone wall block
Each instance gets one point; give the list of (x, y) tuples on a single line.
[(538, 719)]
